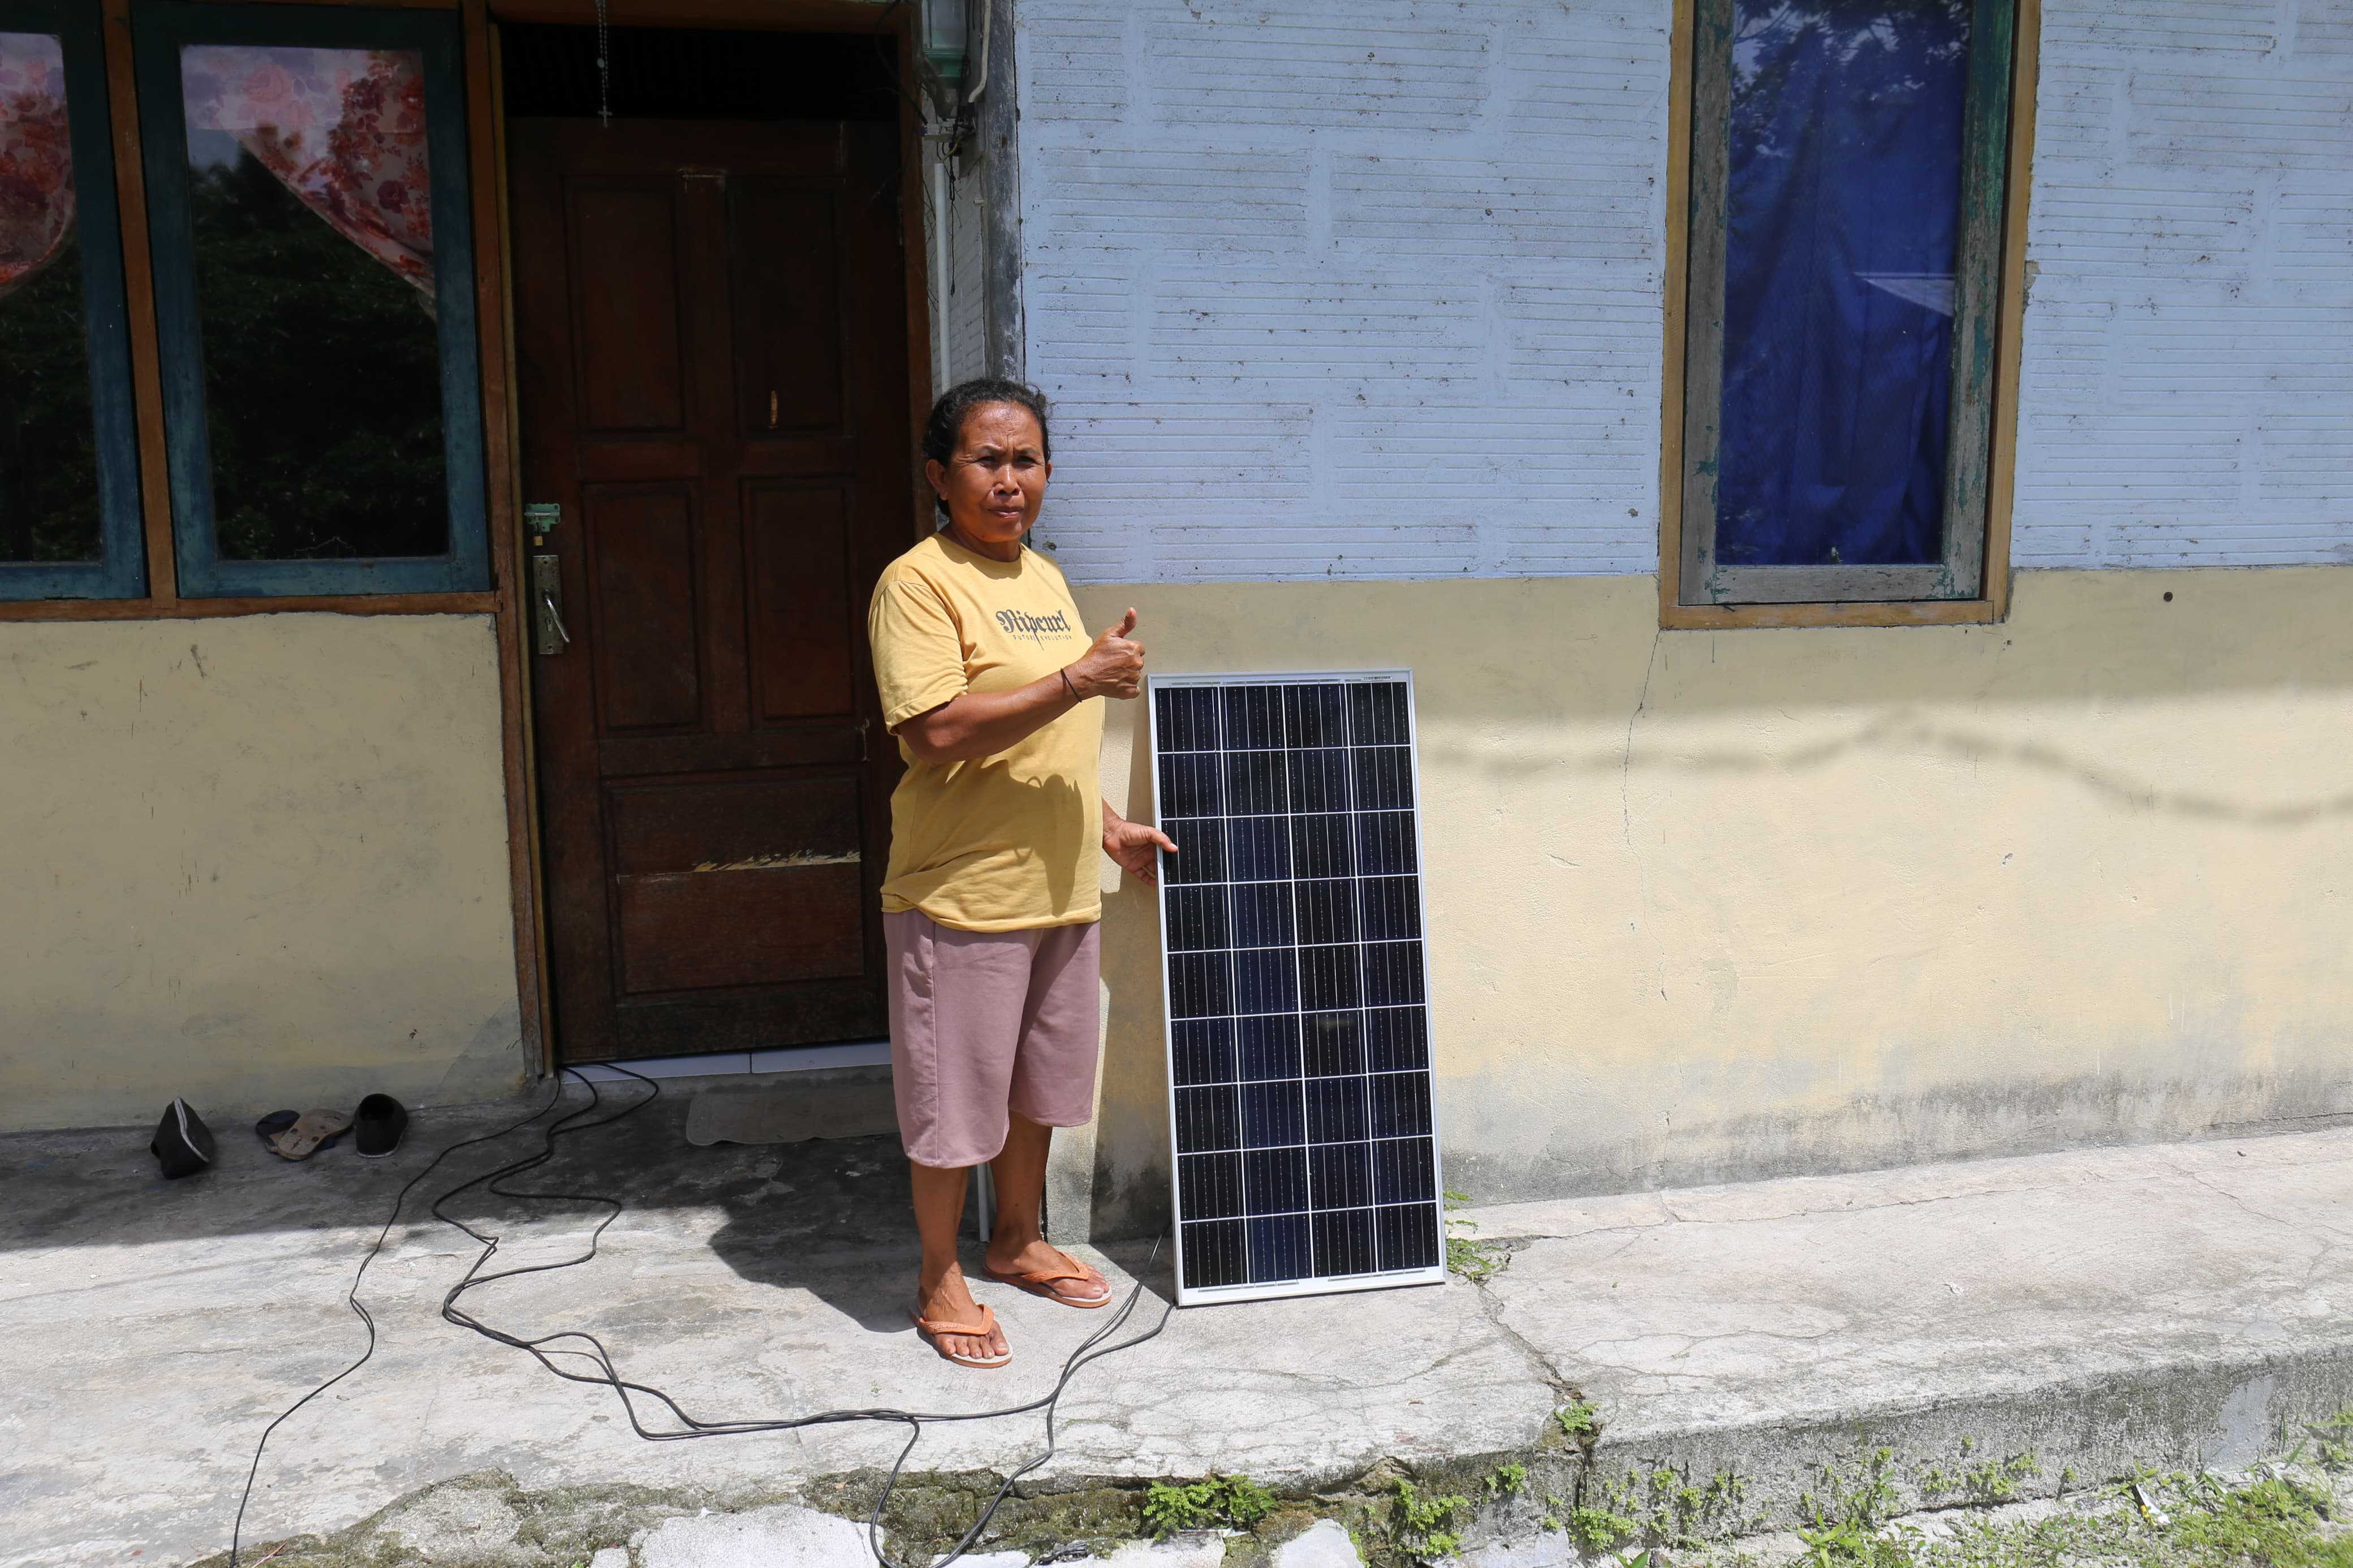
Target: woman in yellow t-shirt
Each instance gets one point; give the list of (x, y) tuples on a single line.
[(991, 901)]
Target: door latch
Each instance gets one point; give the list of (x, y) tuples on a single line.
[(547, 632)]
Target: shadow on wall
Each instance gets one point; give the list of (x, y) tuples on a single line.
[(1817, 828)]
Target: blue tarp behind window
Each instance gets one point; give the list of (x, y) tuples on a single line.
[(1838, 298)]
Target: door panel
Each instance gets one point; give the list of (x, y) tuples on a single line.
[(711, 322), (802, 601), (788, 342), (646, 626), (632, 364)]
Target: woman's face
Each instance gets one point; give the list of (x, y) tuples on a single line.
[(995, 481)]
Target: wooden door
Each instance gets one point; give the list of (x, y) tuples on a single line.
[(712, 323)]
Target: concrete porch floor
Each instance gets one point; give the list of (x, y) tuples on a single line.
[(2178, 1305)]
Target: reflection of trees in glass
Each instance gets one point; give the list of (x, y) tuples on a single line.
[(322, 383), (49, 450), (1884, 52)]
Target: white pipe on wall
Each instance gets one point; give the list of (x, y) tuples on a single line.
[(941, 276)]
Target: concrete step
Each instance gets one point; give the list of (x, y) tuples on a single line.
[(1976, 1332)]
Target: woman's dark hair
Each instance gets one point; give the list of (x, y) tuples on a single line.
[(946, 426)]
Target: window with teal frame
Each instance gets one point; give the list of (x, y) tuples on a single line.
[(70, 523), (314, 294)]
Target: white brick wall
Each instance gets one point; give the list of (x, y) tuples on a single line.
[(1367, 290), (1373, 290), (2187, 397)]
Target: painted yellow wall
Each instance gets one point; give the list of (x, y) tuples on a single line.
[(1718, 905), (260, 860)]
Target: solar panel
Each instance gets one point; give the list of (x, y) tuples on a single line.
[(1297, 989)]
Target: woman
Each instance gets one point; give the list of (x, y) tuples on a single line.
[(990, 903)]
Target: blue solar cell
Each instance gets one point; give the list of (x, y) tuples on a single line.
[(1196, 919), (1266, 979), (1383, 778), (1397, 1039), (1201, 986), (1335, 1110), (1258, 849), (1263, 914), (1193, 785), (1377, 715), (1207, 1118), (1255, 784), (1333, 1044), (1210, 1186), (1201, 1050), (1344, 1244), (1327, 911), (1323, 846), (1274, 1181), (1215, 1254), (1314, 716), (1253, 718), (1267, 1046), (1389, 906), (1400, 1103), (1278, 1249), (1400, 1170), (1340, 1175), (1201, 852), (1408, 1236), (1188, 719), (1319, 780), (1272, 1115)]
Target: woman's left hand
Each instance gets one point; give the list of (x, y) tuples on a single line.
[(1132, 844)]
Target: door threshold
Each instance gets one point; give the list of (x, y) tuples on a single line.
[(798, 1058)]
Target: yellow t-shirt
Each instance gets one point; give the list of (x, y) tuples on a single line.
[(1003, 841)]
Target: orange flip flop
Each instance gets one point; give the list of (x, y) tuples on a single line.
[(313, 1129), (1041, 1282), (933, 1328)]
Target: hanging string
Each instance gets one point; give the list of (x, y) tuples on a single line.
[(603, 67)]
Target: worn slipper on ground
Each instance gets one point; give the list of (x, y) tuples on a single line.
[(274, 1125), (1040, 1281), (933, 1329), (382, 1120), (315, 1130)]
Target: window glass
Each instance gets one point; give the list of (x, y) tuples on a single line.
[(311, 229), (1844, 194), (49, 507)]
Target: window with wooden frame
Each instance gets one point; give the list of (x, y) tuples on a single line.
[(1845, 354), (69, 519), (308, 208)]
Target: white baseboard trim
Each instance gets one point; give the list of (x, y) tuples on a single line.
[(718, 1063)]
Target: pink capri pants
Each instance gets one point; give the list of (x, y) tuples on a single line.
[(988, 1023)]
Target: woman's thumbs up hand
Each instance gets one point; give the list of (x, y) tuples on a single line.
[(1114, 666)]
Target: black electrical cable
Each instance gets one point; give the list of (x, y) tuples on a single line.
[(352, 1299), (608, 1375)]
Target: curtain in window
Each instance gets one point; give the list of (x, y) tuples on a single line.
[(37, 192), (1842, 219), (341, 129)]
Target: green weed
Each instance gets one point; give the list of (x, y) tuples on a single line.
[(2334, 1440), (1577, 1420), (1476, 1260), (1599, 1529), (1421, 1525), (1505, 1480), (1173, 1505)]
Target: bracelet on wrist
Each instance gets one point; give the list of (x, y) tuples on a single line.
[(1068, 687)]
